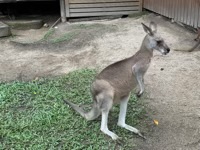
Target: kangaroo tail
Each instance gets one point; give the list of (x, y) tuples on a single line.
[(91, 115)]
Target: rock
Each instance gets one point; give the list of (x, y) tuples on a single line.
[(4, 30), (46, 25)]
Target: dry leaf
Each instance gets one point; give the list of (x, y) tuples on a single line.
[(155, 122)]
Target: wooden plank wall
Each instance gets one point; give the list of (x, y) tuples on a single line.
[(82, 8), (185, 11)]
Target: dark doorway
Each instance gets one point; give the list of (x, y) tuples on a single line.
[(47, 7)]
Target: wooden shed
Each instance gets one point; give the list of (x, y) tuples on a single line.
[(83, 8)]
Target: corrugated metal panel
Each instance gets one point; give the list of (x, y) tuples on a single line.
[(185, 11)]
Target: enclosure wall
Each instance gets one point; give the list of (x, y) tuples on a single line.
[(185, 11)]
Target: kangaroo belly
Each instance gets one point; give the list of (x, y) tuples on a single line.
[(116, 90), (123, 88)]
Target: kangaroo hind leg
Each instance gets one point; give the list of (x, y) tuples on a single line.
[(105, 102), (122, 117)]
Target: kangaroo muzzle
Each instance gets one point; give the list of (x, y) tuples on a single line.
[(166, 51)]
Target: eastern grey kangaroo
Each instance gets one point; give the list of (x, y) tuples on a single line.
[(115, 83)]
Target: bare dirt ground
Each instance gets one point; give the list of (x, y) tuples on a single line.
[(173, 94)]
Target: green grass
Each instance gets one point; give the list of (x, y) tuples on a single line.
[(33, 116)]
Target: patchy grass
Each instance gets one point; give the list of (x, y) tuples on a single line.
[(48, 34), (77, 32), (92, 26), (71, 36), (65, 37), (61, 38), (33, 116)]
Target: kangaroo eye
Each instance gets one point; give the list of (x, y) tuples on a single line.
[(159, 42)]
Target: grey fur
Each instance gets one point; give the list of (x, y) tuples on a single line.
[(114, 84)]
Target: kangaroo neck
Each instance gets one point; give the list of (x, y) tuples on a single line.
[(144, 52)]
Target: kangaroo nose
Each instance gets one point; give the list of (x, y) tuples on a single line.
[(168, 50)]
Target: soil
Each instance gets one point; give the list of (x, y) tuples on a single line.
[(172, 81)]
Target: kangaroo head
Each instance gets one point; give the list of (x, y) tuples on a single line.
[(153, 40)]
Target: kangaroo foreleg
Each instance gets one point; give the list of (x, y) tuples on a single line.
[(139, 78)]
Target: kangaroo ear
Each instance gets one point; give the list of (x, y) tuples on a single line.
[(153, 26), (147, 29)]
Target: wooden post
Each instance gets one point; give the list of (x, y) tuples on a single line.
[(141, 5), (62, 10), (67, 8)]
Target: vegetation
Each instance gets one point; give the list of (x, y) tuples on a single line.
[(33, 116)]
